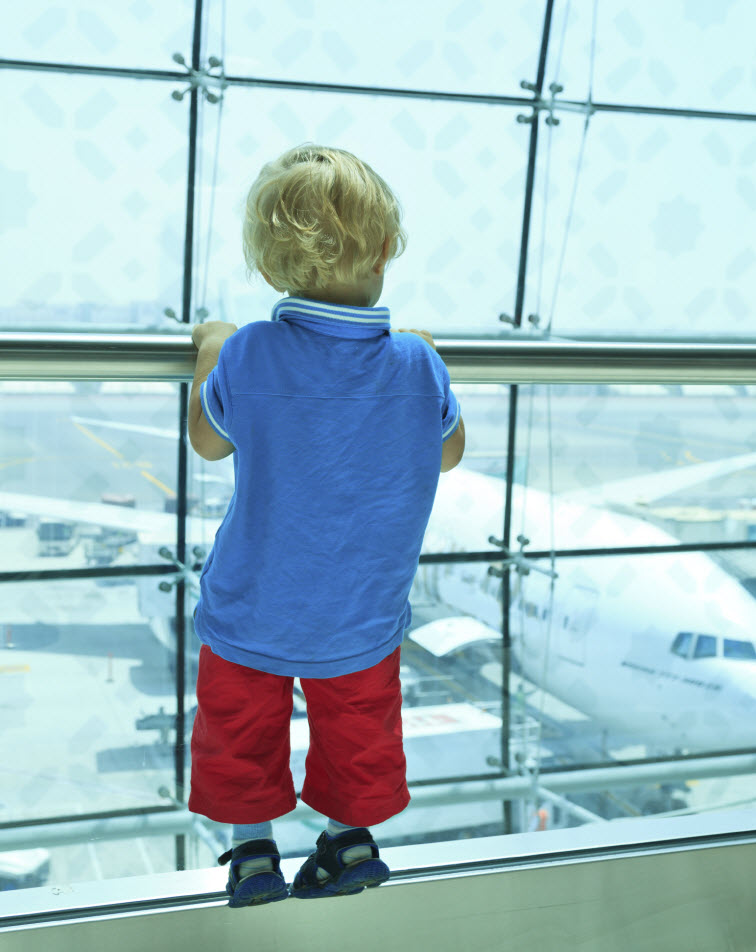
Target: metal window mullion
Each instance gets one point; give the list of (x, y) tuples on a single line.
[(567, 105), (186, 316), (512, 423)]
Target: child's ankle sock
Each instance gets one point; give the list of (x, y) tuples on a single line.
[(243, 833), (353, 855)]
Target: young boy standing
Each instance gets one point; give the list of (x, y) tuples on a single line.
[(339, 430)]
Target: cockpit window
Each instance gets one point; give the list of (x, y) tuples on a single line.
[(681, 644), (739, 650), (706, 647)]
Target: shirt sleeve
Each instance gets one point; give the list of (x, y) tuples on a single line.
[(215, 395), (450, 407)]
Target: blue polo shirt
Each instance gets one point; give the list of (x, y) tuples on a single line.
[(337, 426)]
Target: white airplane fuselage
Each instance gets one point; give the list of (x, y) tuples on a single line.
[(602, 641)]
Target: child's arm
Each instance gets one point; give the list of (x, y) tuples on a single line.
[(208, 339), (453, 449)]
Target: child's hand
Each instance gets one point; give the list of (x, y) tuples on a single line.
[(215, 330), (424, 334)]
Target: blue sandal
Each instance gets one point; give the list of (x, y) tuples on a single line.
[(263, 886), (345, 880)]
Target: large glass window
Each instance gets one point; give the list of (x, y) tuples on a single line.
[(141, 34), (457, 169), (654, 245), (471, 47), (586, 643), (94, 199), (683, 54)]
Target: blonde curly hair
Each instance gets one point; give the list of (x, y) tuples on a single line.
[(316, 217)]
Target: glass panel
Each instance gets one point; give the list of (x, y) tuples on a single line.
[(706, 647), (658, 242), (458, 171), (683, 54), (634, 468), (739, 650), (681, 644), (138, 35), (463, 47), (669, 466), (76, 692), (93, 173), (87, 476)]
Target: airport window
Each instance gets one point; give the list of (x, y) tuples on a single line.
[(98, 667), (739, 650)]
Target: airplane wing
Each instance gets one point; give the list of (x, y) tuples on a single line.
[(158, 525), (640, 490)]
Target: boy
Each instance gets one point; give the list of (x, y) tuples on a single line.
[(339, 430)]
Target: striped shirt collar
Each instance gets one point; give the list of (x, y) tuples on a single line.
[(336, 320)]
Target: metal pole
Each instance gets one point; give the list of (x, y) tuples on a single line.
[(512, 421)]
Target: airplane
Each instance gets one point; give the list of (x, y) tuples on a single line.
[(658, 646)]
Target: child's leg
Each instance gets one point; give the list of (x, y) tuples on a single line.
[(240, 769), (248, 833), (241, 743), (355, 766), (355, 774), (353, 855)]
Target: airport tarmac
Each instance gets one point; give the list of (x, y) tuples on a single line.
[(79, 664)]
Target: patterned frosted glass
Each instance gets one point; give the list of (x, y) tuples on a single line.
[(93, 189), (132, 33), (661, 241), (458, 170), (692, 54), (474, 46)]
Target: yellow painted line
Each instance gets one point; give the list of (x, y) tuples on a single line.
[(19, 461), (100, 442), (166, 489), (14, 668), (689, 456)]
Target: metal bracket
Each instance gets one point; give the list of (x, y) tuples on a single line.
[(551, 119), (184, 574), (517, 560), (533, 319), (201, 313), (550, 104), (202, 79)]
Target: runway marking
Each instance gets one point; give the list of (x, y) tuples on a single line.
[(20, 460), (124, 462), (166, 489), (102, 443)]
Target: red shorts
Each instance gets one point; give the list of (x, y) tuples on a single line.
[(355, 767)]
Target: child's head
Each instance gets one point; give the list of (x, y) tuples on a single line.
[(319, 218)]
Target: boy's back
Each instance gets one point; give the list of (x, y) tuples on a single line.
[(338, 428)]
